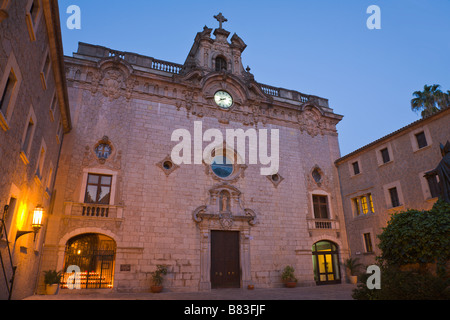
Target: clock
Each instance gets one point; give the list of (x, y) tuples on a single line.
[(223, 99)]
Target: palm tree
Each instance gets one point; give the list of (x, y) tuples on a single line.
[(430, 100)]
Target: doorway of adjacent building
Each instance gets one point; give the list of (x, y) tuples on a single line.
[(225, 264), (94, 254), (325, 258)]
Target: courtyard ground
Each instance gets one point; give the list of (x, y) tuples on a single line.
[(328, 292)]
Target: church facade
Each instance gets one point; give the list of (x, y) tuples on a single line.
[(123, 204)]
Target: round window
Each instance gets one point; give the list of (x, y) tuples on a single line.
[(222, 166), (167, 165)]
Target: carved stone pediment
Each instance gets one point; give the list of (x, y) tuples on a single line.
[(225, 207), (310, 121)]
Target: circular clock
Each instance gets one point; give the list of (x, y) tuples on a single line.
[(223, 99)]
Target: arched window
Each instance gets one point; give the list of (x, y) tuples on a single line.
[(221, 64)]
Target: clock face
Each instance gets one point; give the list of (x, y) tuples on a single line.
[(223, 99)]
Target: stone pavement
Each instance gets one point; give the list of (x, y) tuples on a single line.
[(328, 292)]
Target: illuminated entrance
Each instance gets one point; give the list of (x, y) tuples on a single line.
[(94, 254), (325, 259)]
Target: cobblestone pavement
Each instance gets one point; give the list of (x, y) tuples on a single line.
[(328, 292)]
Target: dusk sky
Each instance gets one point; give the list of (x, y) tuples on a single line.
[(320, 47)]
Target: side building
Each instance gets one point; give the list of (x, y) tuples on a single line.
[(124, 206), (34, 115), (388, 176)]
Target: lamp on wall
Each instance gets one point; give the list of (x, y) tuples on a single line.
[(36, 223)]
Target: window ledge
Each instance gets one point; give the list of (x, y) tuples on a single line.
[(398, 208), (44, 81), (363, 216), (24, 158), (3, 122), (423, 148), (38, 180), (30, 27), (385, 163)]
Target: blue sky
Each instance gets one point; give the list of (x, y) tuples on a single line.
[(319, 47)]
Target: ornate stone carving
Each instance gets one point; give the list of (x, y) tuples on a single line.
[(310, 122), (317, 178), (227, 215), (112, 83)]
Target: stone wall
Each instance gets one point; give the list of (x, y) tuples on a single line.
[(24, 49)]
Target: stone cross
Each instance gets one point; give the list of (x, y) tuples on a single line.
[(221, 19)]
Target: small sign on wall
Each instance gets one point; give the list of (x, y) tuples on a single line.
[(125, 267)]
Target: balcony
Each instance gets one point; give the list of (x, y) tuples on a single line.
[(93, 211), (323, 224)]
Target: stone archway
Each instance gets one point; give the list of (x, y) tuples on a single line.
[(93, 256)]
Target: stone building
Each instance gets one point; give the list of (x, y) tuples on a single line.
[(34, 114), (124, 205), (389, 175)]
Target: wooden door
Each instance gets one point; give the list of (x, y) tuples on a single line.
[(225, 266)]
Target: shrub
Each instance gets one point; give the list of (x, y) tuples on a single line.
[(404, 285), (418, 238)]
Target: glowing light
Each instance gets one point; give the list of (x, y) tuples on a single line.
[(37, 217), (21, 216)]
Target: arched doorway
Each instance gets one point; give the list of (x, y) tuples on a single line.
[(325, 257), (94, 254)]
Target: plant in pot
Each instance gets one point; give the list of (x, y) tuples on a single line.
[(288, 277), (157, 278), (52, 278), (352, 265)]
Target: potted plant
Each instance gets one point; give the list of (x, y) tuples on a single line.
[(52, 278), (352, 265), (288, 277), (157, 278)]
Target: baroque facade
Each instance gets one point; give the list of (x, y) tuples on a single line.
[(124, 206)]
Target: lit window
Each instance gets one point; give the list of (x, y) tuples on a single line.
[(363, 204), (371, 202), (365, 209)]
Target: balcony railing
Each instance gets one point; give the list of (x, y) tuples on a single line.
[(89, 210), (166, 66), (314, 224)]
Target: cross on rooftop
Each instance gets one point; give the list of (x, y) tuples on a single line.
[(221, 19)]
